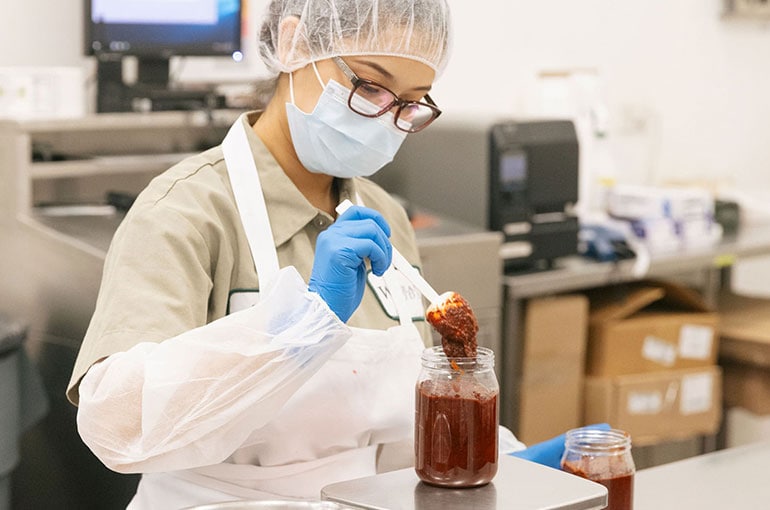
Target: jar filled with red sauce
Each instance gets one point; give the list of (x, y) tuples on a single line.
[(603, 456), (456, 419)]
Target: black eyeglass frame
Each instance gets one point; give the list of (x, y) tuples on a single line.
[(397, 102)]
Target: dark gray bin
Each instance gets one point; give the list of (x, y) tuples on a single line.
[(11, 338)]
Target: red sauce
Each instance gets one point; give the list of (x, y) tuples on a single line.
[(455, 322), (620, 489), (456, 433)]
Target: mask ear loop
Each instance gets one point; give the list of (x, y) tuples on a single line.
[(318, 75), (291, 87), (291, 82)]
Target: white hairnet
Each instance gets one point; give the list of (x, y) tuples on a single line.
[(416, 29)]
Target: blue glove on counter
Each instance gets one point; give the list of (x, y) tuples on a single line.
[(339, 272), (549, 452)]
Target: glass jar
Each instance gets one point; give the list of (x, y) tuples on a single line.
[(456, 419), (603, 456)]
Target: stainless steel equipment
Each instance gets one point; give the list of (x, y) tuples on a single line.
[(270, 505), (50, 269), (519, 484), (520, 178), (533, 182)]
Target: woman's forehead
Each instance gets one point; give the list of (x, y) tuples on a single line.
[(406, 72)]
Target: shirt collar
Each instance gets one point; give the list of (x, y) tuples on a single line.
[(290, 212)]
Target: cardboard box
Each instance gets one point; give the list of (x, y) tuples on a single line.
[(647, 327), (551, 385), (745, 352), (748, 387), (657, 406), (744, 330)]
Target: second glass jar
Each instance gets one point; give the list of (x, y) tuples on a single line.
[(456, 419), (603, 456)]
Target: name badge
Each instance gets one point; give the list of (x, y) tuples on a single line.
[(241, 299), (408, 292)]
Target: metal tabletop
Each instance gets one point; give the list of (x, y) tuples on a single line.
[(575, 273), (519, 485)]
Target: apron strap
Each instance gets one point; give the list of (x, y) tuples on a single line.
[(244, 179), (247, 189)]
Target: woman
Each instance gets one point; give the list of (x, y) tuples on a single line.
[(210, 366)]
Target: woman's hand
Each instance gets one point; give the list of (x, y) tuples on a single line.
[(339, 270)]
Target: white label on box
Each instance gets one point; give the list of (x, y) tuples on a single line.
[(696, 393), (658, 350), (644, 402), (695, 341)]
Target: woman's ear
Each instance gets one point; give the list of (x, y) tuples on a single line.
[(288, 40)]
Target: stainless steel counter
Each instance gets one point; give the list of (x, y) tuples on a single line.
[(519, 485), (732, 478)]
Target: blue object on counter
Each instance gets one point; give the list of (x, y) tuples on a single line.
[(603, 243), (549, 452)]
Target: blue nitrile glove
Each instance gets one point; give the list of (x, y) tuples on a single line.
[(339, 273), (549, 452)]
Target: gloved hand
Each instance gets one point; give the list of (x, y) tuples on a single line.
[(549, 452), (339, 272)]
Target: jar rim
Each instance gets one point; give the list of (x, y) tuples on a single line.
[(597, 440), (434, 357)]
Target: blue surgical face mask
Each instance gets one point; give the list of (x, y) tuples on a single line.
[(336, 141)]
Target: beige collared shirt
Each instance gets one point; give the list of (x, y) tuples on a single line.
[(181, 253)]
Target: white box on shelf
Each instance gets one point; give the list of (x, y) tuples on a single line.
[(744, 427), (28, 92), (651, 203)]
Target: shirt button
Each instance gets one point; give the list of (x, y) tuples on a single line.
[(321, 222)]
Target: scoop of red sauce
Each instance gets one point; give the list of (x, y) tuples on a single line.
[(454, 320)]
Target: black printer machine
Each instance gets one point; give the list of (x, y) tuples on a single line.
[(533, 185), (517, 177)]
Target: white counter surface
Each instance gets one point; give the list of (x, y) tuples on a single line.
[(736, 478)]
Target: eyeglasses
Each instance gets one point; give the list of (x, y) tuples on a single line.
[(372, 100)]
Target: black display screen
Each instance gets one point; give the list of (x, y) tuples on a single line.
[(163, 27)]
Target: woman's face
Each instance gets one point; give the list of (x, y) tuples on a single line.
[(407, 78)]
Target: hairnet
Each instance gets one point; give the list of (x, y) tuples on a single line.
[(416, 29)]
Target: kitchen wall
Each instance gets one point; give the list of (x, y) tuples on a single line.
[(688, 91)]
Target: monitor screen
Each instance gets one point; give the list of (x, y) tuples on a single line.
[(162, 28)]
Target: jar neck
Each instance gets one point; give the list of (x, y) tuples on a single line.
[(434, 358), (598, 442)]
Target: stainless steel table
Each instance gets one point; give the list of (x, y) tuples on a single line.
[(519, 485), (732, 478)]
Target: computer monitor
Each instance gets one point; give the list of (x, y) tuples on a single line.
[(153, 31)]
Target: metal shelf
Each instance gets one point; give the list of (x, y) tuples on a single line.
[(126, 121), (104, 165)]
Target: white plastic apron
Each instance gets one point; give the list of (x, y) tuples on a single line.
[(329, 430)]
